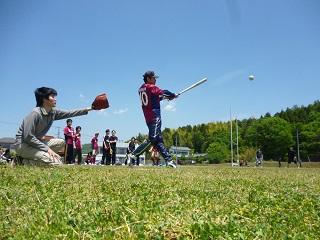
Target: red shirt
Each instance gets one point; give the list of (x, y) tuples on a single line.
[(68, 133), (94, 143), (78, 140), (150, 96)]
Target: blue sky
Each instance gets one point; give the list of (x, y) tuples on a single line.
[(84, 48)]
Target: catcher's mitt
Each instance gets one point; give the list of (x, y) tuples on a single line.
[(100, 102)]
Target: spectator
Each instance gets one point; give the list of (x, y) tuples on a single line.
[(69, 138), (242, 163), (106, 157), (88, 158), (113, 145), (130, 149), (155, 156), (94, 147), (6, 156), (78, 146)]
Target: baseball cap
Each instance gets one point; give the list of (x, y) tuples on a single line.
[(150, 74)]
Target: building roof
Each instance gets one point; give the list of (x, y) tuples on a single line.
[(7, 140), (180, 148), (122, 145)]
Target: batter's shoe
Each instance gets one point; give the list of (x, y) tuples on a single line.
[(172, 164)]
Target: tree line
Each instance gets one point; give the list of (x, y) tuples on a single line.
[(273, 134)]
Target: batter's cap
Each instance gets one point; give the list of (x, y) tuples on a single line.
[(150, 74)]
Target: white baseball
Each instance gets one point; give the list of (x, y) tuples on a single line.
[(251, 77)]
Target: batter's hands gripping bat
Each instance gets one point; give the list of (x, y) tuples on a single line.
[(193, 86)]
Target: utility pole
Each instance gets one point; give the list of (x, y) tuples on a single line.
[(298, 150), (231, 140), (176, 147), (237, 141), (59, 132)]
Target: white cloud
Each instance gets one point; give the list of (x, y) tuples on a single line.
[(83, 98), (171, 106), (102, 112), (120, 111)]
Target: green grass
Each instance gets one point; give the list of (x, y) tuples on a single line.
[(191, 202)]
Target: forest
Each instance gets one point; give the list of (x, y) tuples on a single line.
[(273, 134), (298, 127)]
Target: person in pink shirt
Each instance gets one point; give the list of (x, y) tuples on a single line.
[(78, 146), (69, 138), (94, 147)]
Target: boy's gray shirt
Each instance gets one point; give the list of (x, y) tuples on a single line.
[(38, 122)]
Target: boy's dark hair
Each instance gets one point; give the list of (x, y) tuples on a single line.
[(69, 120), (78, 127), (43, 93)]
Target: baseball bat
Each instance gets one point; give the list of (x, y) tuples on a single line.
[(193, 86)]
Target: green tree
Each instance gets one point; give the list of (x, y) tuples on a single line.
[(217, 153), (272, 135), (310, 139), (198, 140)]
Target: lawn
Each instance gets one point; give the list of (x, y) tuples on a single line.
[(190, 202)]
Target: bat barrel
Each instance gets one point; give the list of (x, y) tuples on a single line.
[(194, 85)]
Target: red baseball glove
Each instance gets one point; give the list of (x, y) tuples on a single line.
[(100, 102)]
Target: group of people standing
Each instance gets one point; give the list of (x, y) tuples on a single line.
[(109, 147), (73, 147)]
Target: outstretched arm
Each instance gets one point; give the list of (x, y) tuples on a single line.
[(169, 95)]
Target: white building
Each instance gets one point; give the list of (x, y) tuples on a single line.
[(179, 151)]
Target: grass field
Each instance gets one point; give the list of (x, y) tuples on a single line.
[(190, 202)]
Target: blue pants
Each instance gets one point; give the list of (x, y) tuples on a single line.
[(155, 139)]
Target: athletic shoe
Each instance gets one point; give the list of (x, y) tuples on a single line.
[(172, 164), (132, 160)]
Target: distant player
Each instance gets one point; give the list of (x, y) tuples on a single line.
[(259, 158), (292, 156), (150, 96), (155, 156)]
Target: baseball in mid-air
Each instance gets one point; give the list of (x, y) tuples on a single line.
[(251, 77)]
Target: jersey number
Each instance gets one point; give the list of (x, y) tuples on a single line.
[(144, 98)]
